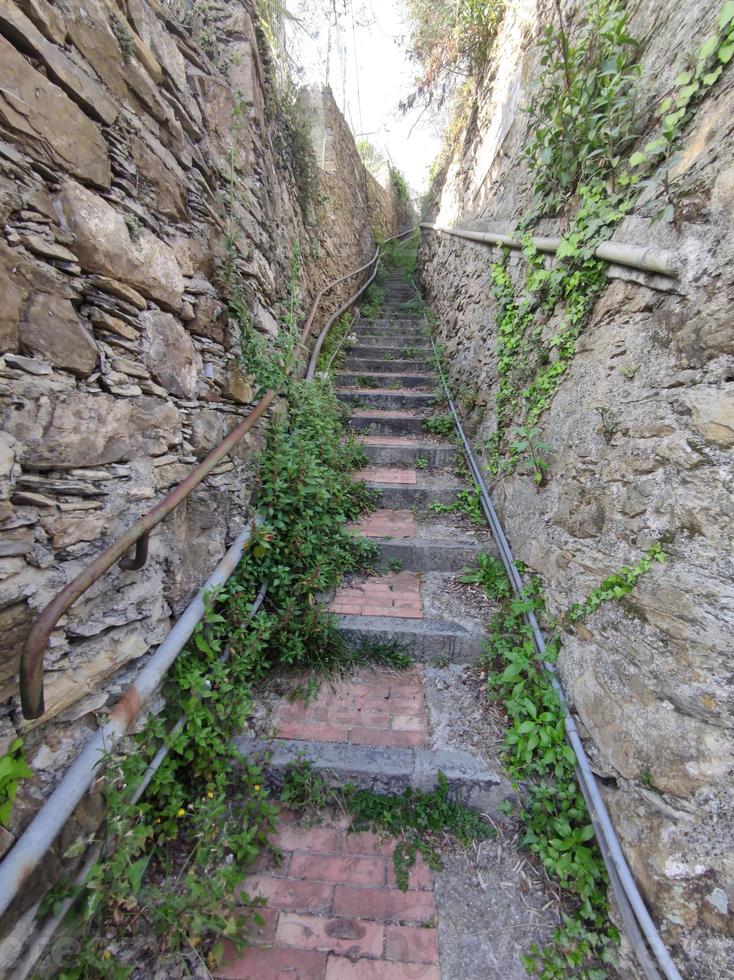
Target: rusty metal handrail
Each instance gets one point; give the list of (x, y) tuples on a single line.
[(32, 655)]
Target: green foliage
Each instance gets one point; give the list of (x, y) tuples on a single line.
[(439, 425), (413, 307), (557, 825), (526, 441), (399, 184), (582, 133), (420, 820), (123, 36), (395, 565), (173, 864), (450, 40), (615, 586), (490, 576), (421, 463), (400, 255), (582, 114), (468, 503), (336, 344), (371, 304), (13, 768), (133, 227)]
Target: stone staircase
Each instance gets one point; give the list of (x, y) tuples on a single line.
[(411, 599), (334, 911)]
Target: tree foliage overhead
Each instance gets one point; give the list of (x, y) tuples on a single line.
[(451, 41)]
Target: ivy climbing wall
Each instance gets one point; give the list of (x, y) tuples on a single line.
[(164, 216), (602, 399)]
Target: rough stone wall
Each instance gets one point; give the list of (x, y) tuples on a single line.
[(650, 678), (119, 142)]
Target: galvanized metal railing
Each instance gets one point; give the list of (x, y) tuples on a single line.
[(643, 257)]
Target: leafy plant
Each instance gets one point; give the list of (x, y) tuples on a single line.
[(557, 825), (468, 503), (372, 303), (395, 565), (421, 463), (489, 575), (439, 425), (420, 820), (526, 442), (13, 769)]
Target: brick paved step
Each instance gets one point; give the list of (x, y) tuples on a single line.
[(385, 379), (384, 769), (394, 343), (387, 423), (424, 640), (387, 399), (400, 453), (401, 365)]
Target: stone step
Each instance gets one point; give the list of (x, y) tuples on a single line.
[(400, 365), (385, 398), (424, 640), (366, 337), (426, 490), (394, 324), (384, 352), (399, 453), (386, 423), (383, 769), (419, 555), (384, 379), (394, 342)]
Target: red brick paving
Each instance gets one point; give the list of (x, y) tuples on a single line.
[(374, 707), (320, 925), (386, 524), (386, 474), (393, 594)]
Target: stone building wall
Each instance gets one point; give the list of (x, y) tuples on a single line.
[(650, 678), (128, 156)]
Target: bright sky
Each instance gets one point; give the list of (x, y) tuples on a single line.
[(369, 72)]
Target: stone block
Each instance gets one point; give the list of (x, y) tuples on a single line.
[(169, 354), (37, 115), (104, 246), (80, 429), (51, 327)]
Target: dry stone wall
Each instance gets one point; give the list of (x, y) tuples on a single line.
[(641, 434), (127, 157)]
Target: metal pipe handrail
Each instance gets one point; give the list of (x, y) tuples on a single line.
[(313, 361), (634, 912), (34, 648), (641, 257), (27, 852)]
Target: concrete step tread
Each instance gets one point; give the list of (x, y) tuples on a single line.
[(384, 769)]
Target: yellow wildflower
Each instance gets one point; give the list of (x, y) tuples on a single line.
[(181, 812), (257, 787), (210, 795), (106, 955)]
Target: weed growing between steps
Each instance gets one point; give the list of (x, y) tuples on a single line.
[(558, 829), (173, 863), (338, 341), (419, 820), (585, 118)]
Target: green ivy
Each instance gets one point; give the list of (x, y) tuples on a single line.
[(581, 156), (415, 817), (13, 768), (557, 827)]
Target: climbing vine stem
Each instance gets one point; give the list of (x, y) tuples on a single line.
[(581, 155)]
